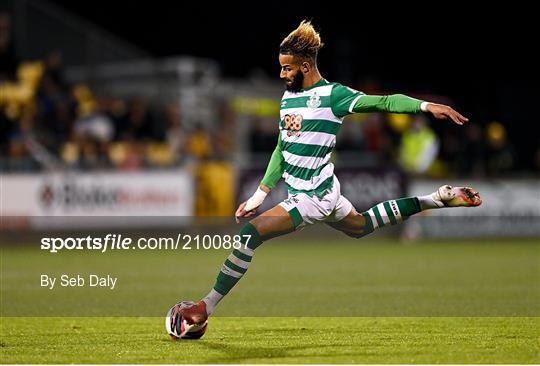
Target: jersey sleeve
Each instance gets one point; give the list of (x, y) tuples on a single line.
[(343, 100), (275, 168), (396, 103)]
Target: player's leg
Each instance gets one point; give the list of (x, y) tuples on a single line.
[(353, 224), (393, 212), (270, 224), (273, 223)]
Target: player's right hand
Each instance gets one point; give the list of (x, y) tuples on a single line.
[(240, 212), (441, 111)]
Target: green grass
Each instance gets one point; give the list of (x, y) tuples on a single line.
[(367, 278), (302, 301), (274, 340)]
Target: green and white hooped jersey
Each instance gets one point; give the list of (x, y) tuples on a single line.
[(309, 123)]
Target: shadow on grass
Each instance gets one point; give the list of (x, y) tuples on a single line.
[(232, 352)]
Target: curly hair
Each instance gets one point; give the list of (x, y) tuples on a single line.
[(303, 42)]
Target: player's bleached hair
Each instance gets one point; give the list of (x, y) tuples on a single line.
[(303, 42)]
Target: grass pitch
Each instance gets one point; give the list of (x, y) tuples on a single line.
[(274, 340), (335, 301)]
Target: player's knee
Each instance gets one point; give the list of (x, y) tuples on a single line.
[(358, 228), (358, 223)]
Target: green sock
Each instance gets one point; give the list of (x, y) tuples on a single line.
[(390, 213), (236, 265)]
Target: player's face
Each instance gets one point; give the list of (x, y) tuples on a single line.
[(291, 73)]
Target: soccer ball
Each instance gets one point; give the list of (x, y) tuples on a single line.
[(177, 326)]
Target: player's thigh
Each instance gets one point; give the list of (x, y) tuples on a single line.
[(274, 222), (352, 225)]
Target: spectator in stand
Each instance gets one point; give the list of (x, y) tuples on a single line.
[(56, 108), (118, 113), (54, 69), (175, 134), (199, 144), (224, 141), (93, 132), (140, 121), (419, 146), (19, 153)]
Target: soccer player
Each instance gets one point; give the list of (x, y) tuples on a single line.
[(312, 111)]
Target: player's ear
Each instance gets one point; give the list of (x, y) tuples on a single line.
[(305, 67)]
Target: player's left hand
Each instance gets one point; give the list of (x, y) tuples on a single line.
[(241, 212), (442, 111)]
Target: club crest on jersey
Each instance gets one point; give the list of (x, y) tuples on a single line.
[(314, 101), (293, 124)]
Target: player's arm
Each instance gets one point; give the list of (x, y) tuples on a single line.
[(275, 168), (399, 103), (273, 174), (346, 101)]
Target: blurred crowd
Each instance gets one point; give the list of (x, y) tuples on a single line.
[(84, 130), (46, 121), (422, 146)]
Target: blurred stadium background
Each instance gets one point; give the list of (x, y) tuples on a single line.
[(114, 115), (149, 121)]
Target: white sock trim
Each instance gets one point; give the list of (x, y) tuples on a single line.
[(383, 213), (230, 272), (238, 261), (247, 251), (373, 218)]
